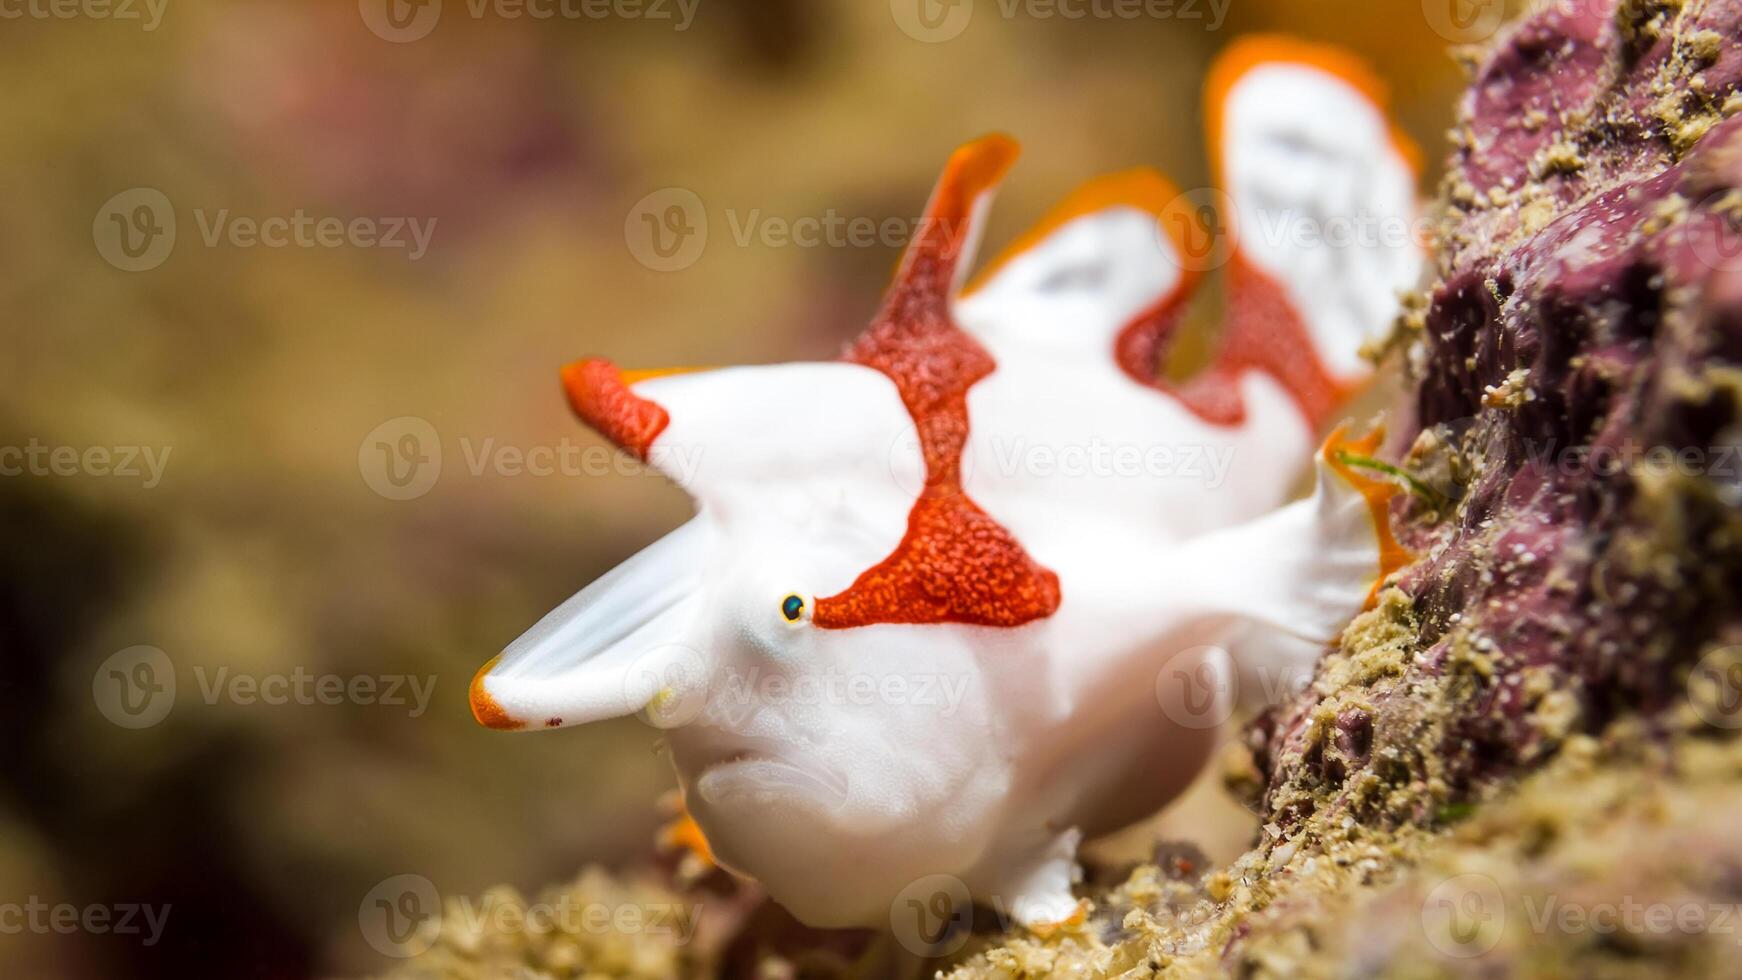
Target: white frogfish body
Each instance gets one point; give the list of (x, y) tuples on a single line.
[(976, 591)]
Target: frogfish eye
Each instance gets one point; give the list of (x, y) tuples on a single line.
[(792, 607)]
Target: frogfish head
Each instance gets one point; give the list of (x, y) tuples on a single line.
[(791, 739)]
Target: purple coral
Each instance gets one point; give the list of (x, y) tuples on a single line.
[(1578, 393)]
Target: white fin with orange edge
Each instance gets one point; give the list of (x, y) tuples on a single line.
[(1322, 187), (1097, 262), (1306, 569), (611, 650)]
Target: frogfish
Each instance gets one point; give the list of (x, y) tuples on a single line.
[(919, 622)]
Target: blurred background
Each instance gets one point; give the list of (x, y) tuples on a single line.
[(286, 288)]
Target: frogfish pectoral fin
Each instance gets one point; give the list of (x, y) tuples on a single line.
[(620, 646), (1308, 568)]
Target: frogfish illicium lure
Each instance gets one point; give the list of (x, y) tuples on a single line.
[(916, 625)]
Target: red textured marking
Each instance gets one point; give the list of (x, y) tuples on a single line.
[(1265, 332), (1262, 331), (601, 397), (955, 564), (1142, 346)]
